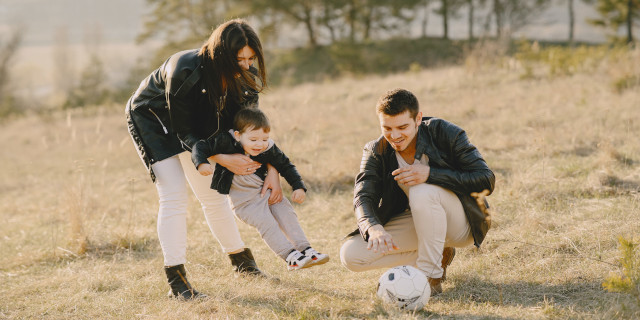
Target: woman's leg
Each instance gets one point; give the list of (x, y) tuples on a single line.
[(172, 215), (215, 206)]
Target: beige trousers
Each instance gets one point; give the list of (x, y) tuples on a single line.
[(435, 220)]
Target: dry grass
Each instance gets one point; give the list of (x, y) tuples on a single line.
[(79, 236)]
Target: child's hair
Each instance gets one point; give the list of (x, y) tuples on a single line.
[(397, 101), (251, 118)]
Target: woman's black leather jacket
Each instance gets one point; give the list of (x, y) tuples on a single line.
[(171, 109)]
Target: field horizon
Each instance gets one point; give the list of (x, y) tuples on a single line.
[(79, 234)]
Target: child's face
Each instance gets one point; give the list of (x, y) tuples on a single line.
[(253, 141)]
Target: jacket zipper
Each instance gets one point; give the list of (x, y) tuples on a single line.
[(162, 124), (222, 100)]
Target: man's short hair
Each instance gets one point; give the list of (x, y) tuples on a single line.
[(397, 101), (251, 118)]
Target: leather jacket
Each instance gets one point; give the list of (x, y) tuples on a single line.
[(171, 109), (455, 164), (225, 143)]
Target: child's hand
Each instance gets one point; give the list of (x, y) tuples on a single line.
[(205, 169), (298, 196)]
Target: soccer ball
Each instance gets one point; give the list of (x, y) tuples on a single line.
[(405, 287)]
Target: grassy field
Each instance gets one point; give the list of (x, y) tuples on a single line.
[(78, 234)]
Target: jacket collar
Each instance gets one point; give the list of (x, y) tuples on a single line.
[(425, 144)]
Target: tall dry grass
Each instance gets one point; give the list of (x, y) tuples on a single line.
[(79, 235)]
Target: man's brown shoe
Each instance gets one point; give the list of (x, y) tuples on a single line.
[(447, 257), (436, 286)]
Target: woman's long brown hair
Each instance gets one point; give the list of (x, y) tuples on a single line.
[(222, 73)]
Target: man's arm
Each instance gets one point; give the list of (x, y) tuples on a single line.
[(473, 174), (368, 190)]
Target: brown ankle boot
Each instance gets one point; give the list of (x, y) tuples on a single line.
[(447, 257), (436, 286)]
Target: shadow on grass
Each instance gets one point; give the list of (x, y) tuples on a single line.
[(338, 305), (576, 296)]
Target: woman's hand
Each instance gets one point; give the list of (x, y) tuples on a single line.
[(272, 181), (237, 163)]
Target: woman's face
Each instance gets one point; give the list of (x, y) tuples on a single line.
[(246, 56)]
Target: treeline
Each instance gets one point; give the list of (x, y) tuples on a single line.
[(306, 40), (185, 23)]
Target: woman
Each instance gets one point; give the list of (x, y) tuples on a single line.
[(192, 96)]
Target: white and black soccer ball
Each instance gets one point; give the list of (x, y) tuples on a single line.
[(405, 287)]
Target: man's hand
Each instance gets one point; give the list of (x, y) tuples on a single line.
[(412, 175), (379, 239), (237, 163), (272, 181)]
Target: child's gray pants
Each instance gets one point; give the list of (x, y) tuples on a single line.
[(278, 224)]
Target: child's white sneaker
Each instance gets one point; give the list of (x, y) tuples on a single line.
[(296, 260), (317, 258)]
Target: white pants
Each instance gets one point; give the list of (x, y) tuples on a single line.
[(172, 175), (436, 220)]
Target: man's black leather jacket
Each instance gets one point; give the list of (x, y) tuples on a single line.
[(455, 164), (225, 143)]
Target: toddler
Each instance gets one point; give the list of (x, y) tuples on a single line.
[(278, 223)]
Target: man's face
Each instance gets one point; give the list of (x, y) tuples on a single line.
[(399, 130)]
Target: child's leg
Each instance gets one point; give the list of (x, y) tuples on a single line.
[(288, 220), (254, 211)]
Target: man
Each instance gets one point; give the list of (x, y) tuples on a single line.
[(412, 197)]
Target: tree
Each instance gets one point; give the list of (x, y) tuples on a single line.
[(471, 5), (92, 87), (182, 24), (332, 11), (8, 50), (511, 15), (618, 13), (63, 72), (366, 17), (425, 16), (572, 19), (448, 9)]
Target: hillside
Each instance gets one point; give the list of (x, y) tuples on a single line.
[(78, 238)]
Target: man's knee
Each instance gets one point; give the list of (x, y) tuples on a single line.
[(424, 192), (349, 256)]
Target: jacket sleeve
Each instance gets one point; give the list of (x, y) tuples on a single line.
[(281, 162), (202, 150), (470, 172), (368, 190)]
